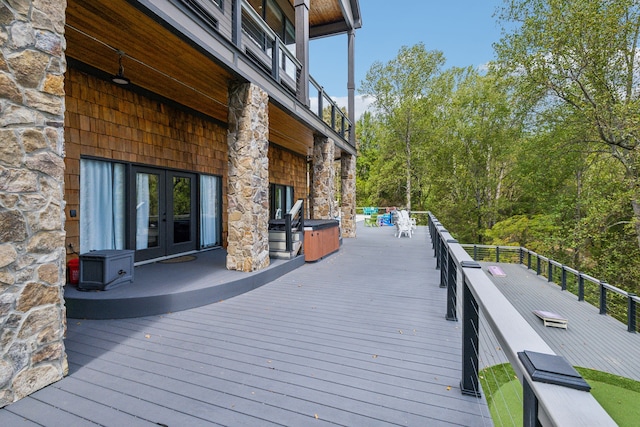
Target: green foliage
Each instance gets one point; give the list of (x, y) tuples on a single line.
[(616, 394), (542, 150)]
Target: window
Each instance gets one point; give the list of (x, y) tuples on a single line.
[(102, 205), (210, 217), (281, 200)]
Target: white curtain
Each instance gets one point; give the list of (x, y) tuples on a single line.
[(102, 205), (142, 211), (209, 211), (289, 197)]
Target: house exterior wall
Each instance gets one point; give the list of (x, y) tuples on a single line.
[(288, 168), (32, 312), (106, 121)]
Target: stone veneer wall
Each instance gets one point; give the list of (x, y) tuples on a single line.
[(348, 195), (32, 236), (322, 179), (248, 182)]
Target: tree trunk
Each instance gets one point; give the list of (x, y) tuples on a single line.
[(408, 172)]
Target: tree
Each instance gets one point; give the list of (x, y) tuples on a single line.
[(402, 89), (583, 55), (471, 164)]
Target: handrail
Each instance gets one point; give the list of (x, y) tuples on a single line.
[(294, 218), (580, 279), (296, 207), (344, 125), (544, 404)]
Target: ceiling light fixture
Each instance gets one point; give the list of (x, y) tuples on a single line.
[(120, 78)]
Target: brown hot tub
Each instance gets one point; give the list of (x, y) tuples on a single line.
[(321, 238)]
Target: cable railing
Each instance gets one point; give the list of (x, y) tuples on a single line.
[(553, 393), (617, 303)]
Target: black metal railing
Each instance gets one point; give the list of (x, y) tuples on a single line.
[(484, 308), (293, 223), (330, 112), (617, 303), (266, 47)]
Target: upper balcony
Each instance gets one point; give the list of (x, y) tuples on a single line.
[(188, 50)]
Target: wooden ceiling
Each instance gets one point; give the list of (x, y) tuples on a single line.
[(162, 63)]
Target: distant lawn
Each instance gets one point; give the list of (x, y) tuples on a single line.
[(617, 395)]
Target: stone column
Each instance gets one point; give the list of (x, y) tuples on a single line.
[(322, 178), (348, 194), (248, 184), (32, 236)]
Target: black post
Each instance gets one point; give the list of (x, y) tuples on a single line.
[(236, 22), (475, 252), (550, 271), (631, 313), (529, 405), (287, 232), (452, 286), (564, 278), (529, 260), (444, 261), (469, 384), (580, 287), (497, 253), (538, 267), (603, 298), (438, 237), (275, 60)]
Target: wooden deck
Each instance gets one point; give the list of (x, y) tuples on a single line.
[(357, 339), (591, 340)]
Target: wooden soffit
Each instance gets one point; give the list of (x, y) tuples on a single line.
[(160, 62)]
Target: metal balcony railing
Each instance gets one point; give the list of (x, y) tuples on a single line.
[(245, 28), (484, 307), (610, 300)]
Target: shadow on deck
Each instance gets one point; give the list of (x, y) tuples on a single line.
[(169, 286)]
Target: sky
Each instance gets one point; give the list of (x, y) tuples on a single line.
[(464, 30)]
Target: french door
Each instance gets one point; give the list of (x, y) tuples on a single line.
[(165, 212)]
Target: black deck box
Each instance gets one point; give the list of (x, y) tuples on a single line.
[(106, 269)]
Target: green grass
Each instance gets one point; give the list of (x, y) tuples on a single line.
[(617, 395)]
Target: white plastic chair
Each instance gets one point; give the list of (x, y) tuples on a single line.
[(403, 225)]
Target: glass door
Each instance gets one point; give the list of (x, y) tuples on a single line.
[(181, 212), (165, 221)]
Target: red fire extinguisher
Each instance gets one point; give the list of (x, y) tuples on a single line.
[(73, 271)]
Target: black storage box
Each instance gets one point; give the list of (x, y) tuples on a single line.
[(106, 269)]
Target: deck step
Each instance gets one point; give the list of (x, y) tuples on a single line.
[(281, 236), (277, 250)]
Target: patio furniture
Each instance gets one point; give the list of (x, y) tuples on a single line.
[(371, 220), (403, 225)]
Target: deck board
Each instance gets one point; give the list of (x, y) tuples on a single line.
[(358, 338), (591, 340)]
